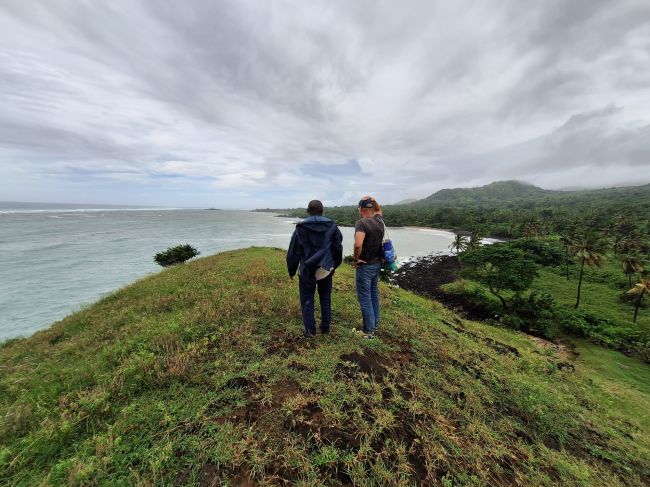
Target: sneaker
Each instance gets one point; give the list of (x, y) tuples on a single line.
[(324, 332), (368, 336), (306, 334)]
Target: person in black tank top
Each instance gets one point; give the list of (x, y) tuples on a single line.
[(368, 251)]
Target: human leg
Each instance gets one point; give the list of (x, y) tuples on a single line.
[(374, 295), (307, 290), (325, 297), (363, 281)]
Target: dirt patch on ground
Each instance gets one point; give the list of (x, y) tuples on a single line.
[(211, 476), (310, 423), (369, 363), (403, 432), (565, 352), (252, 411), (284, 344), (403, 354), (374, 364), (263, 412), (316, 429), (425, 275), (499, 347)]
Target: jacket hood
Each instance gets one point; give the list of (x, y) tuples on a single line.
[(316, 223)]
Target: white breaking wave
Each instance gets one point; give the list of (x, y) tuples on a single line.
[(84, 210)]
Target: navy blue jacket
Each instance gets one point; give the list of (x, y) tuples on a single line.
[(316, 242)]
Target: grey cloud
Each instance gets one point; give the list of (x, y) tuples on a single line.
[(593, 141), (317, 169), (421, 94)]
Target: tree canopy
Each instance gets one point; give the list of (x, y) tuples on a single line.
[(501, 268)]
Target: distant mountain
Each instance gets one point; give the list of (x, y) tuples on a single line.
[(493, 194), (502, 194), (407, 201)]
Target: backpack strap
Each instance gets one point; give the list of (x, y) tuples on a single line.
[(385, 236)]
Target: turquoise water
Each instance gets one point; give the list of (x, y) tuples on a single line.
[(54, 260)]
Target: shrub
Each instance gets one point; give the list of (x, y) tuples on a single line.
[(175, 255), (537, 313), (500, 268)]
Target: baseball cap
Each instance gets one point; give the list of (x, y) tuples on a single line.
[(367, 203)]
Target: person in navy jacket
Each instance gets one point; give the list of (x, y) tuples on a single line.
[(316, 249)]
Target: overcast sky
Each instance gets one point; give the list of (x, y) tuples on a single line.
[(272, 103)]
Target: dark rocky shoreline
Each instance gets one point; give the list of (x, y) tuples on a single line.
[(425, 275)]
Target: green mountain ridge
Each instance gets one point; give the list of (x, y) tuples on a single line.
[(497, 192), (504, 193), (503, 208), (198, 375)]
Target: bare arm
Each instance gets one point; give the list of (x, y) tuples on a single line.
[(359, 237)]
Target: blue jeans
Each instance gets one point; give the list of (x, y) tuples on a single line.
[(368, 294), (307, 289)]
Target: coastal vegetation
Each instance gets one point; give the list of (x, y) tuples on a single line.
[(591, 238), (546, 306), (511, 209), (175, 255), (198, 375)]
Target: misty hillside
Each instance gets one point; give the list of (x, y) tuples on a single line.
[(501, 194), (493, 194), (198, 375)]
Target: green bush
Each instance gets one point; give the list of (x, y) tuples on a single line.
[(537, 314), (541, 251), (175, 255), (500, 268)]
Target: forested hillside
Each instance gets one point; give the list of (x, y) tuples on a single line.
[(510, 209)]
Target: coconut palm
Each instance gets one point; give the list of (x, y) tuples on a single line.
[(632, 243), (632, 264), (640, 289), (532, 228), (621, 227), (566, 240), (586, 249), (459, 245), (475, 237)]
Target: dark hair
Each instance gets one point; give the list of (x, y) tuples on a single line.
[(315, 207)]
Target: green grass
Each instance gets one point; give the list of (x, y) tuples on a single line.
[(624, 378), (198, 375), (602, 316), (600, 297)]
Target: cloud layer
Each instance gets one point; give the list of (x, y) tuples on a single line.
[(251, 104)]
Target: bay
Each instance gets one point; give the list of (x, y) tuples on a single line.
[(56, 259)]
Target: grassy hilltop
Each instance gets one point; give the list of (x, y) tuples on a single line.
[(198, 376)]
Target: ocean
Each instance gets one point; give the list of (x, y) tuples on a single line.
[(55, 259)]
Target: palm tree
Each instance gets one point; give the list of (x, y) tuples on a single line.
[(631, 265), (632, 243), (640, 289), (475, 237), (587, 250), (621, 227), (532, 228), (566, 239), (459, 245)]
